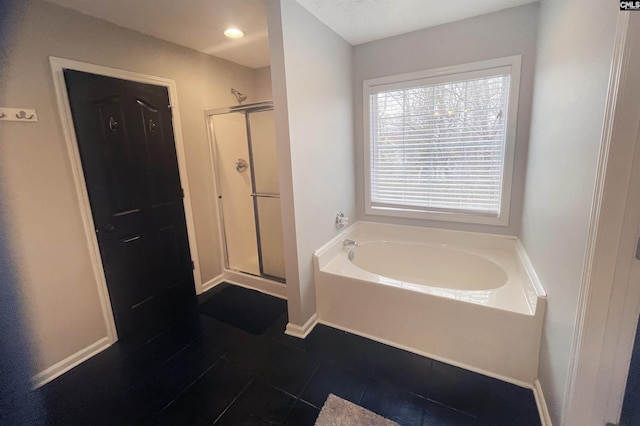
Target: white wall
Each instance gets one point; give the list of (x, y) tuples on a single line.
[(311, 73), (575, 47), (45, 233), (505, 33)]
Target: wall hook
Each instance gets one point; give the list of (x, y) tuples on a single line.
[(23, 116)]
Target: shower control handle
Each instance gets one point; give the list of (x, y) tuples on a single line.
[(341, 220), (241, 165)]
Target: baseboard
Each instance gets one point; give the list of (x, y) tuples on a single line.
[(263, 285), (302, 332), (212, 283), (68, 363), (543, 410)]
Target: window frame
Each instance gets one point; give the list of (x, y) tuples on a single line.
[(448, 74)]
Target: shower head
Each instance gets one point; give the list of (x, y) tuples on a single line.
[(241, 97)]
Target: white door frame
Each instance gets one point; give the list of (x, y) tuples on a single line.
[(608, 305), (624, 307), (57, 67)]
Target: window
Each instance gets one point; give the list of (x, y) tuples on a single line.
[(439, 144)]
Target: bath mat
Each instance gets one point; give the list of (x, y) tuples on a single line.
[(240, 307), (338, 412)]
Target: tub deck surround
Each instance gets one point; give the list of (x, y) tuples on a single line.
[(464, 298)]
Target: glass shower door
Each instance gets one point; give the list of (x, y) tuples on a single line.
[(266, 193), (235, 186)]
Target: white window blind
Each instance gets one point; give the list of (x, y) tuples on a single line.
[(439, 144)]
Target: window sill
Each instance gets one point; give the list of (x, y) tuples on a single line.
[(502, 220)]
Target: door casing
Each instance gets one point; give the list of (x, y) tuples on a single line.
[(600, 354), (57, 66)]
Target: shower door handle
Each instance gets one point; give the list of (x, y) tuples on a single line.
[(241, 165), (262, 195)]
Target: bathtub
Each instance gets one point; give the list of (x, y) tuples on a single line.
[(468, 299)]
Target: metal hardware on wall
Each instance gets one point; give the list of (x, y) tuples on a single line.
[(240, 97), (341, 220), (18, 114), (241, 165), (263, 195), (113, 124)]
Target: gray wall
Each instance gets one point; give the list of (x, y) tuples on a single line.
[(311, 74), (46, 234), (505, 33), (575, 47), (263, 90)]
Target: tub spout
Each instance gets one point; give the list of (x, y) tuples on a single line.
[(349, 243)]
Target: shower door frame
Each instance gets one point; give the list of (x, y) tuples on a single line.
[(246, 110)]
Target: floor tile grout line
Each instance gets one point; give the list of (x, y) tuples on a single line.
[(366, 388), (448, 407), (315, 371), (297, 400), (181, 350), (422, 397), (190, 385), (234, 400)]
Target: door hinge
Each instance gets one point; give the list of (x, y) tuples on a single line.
[(193, 266), (182, 192), (638, 249), (171, 110)]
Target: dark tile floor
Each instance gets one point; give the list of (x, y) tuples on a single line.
[(203, 371)]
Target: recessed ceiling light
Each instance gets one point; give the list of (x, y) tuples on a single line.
[(233, 33)]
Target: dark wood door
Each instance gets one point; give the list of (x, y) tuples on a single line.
[(125, 137), (631, 403)]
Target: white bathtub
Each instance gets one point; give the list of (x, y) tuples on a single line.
[(467, 299)]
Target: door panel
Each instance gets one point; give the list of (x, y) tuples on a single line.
[(263, 147), (267, 192), (271, 243), (116, 152), (230, 133), (631, 406), (125, 139)]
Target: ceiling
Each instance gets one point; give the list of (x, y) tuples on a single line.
[(361, 21), (198, 24)]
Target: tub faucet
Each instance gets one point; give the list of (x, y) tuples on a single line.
[(349, 243)]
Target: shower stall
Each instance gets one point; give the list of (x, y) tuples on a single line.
[(243, 148)]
